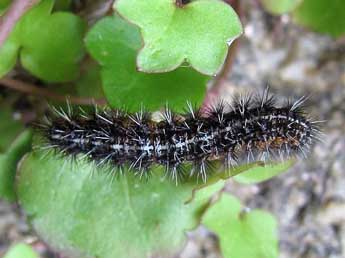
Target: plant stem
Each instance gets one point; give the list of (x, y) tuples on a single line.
[(218, 84), (34, 90), (12, 15)]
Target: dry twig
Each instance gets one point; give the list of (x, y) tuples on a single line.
[(34, 90)]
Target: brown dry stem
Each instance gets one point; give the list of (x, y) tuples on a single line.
[(43, 92)]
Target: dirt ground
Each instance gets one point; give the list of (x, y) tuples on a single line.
[(309, 199)]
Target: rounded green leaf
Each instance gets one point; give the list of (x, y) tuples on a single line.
[(198, 33), (280, 6), (83, 210), (21, 251), (242, 233), (262, 173), (50, 45), (322, 16), (8, 164), (113, 42)]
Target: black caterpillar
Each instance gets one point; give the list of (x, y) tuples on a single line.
[(252, 128)]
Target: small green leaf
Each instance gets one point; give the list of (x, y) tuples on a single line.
[(8, 164), (198, 33), (280, 6), (50, 46), (21, 251), (224, 175), (113, 42), (84, 210), (241, 233), (322, 16), (263, 173)]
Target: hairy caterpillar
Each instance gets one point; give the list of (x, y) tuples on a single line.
[(252, 128)]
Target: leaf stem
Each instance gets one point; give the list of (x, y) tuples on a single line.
[(34, 90), (12, 15), (217, 87)]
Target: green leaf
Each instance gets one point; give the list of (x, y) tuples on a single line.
[(8, 55), (263, 173), (90, 83), (280, 6), (3, 5), (87, 211), (47, 54), (9, 128), (198, 33), (322, 16), (223, 175), (114, 42), (62, 5), (241, 233), (8, 164), (50, 46), (21, 251)]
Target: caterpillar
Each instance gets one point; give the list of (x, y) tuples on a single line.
[(251, 128)]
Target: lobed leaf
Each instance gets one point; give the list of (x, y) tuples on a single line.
[(50, 46), (114, 42), (198, 33), (242, 233), (82, 210)]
